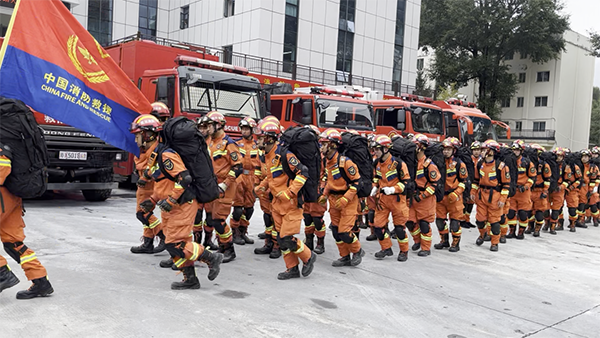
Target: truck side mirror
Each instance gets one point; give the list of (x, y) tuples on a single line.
[(401, 126), (417, 111), (307, 109), (162, 88), (401, 117), (267, 99)]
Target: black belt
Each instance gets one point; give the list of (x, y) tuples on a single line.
[(337, 192), (446, 193)]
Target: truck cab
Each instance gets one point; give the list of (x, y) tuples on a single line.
[(399, 117)]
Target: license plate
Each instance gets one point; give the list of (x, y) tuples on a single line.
[(72, 155)]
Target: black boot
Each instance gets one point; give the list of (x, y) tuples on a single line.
[(307, 268), (494, 247), (320, 245), (487, 237), (536, 230), (228, 252), (502, 239), (40, 288), (237, 237), (7, 278), (384, 253), (596, 222), (213, 260), (455, 247), (553, 228), (266, 249), (561, 225), (520, 234), (208, 242), (289, 273), (465, 225), (357, 257), (444, 243), (167, 263), (529, 229), (416, 246), (512, 232), (581, 225), (424, 253), (344, 261), (371, 237), (244, 234), (275, 253), (546, 226), (161, 245), (147, 247), (479, 240), (588, 220), (310, 241), (263, 235), (190, 281), (402, 256)]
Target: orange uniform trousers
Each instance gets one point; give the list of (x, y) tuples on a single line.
[(220, 209), (397, 207), (488, 210), (177, 227), (11, 233), (153, 225), (422, 211), (539, 203), (289, 224), (244, 197), (314, 209), (344, 219)]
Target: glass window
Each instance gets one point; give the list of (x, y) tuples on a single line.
[(399, 43), (522, 77), (518, 126), (520, 102), (505, 103), (100, 20), (227, 54), (543, 76), (290, 36), (203, 97), (342, 114), (387, 118), (277, 108), (539, 126), (420, 63), (345, 49), (228, 8), (541, 101), (427, 120), (184, 17)]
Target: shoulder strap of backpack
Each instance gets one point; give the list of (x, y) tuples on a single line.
[(341, 163), (161, 165)]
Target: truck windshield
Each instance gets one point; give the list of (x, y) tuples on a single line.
[(342, 114), (202, 97), (483, 130), (427, 120)]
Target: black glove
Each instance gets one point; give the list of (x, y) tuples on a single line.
[(521, 188), (417, 197), (165, 205), (147, 205), (141, 183), (544, 195)]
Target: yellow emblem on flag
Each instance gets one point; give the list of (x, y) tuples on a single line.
[(89, 68)]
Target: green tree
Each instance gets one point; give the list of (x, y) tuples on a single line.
[(447, 92), (421, 85), (595, 118), (595, 40), (472, 38)]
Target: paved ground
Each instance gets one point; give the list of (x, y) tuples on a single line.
[(546, 287)]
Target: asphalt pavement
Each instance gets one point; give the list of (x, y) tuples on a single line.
[(542, 287)]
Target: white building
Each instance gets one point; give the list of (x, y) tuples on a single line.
[(370, 42), (553, 103)]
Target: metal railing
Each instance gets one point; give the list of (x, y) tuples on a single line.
[(531, 134), (282, 69)]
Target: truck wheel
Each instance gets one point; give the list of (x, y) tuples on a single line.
[(98, 195)]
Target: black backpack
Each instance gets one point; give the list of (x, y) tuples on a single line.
[(304, 144), (356, 148), (435, 154), (550, 159), (406, 151), (507, 156), (463, 154), (181, 135), (21, 136)]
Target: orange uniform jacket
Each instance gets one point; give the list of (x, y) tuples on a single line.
[(543, 176), (486, 178), (427, 178), (455, 176), (164, 187), (141, 164), (336, 184), (388, 174), (226, 159), (250, 158), (565, 176), (527, 173)]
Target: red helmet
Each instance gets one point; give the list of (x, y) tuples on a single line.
[(161, 109), (595, 150), (271, 118), (216, 117), (314, 128), (518, 145), (269, 128), (475, 145), (450, 143), (145, 122), (383, 141), (247, 122), (559, 151), (491, 144), (331, 135), (537, 147), (421, 139), (352, 131), (202, 120)]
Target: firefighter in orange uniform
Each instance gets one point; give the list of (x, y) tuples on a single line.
[(342, 198), (313, 214), (286, 212), (520, 203), (572, 193), (243, 202), (391, 177), (452, 204), (200, 225), (557, 197), (422, 211), (539, 193), (152, 225), (595, 197), (12, 236), (588, 183), (490, 192), (475, 156), (177, 204), (227, 166)]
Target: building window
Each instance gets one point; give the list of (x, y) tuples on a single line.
[(518, 126), (184, 17), (147, 18), (399, 44), (541, 101), (100, 17), (522, 77), (345, 48), (290, 36), (505, 103), (543, 76), (509, 56), (539, 126), (524, 56), (68, 5), (420, 63), (520, 102), (227, 54), (228, 8)]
